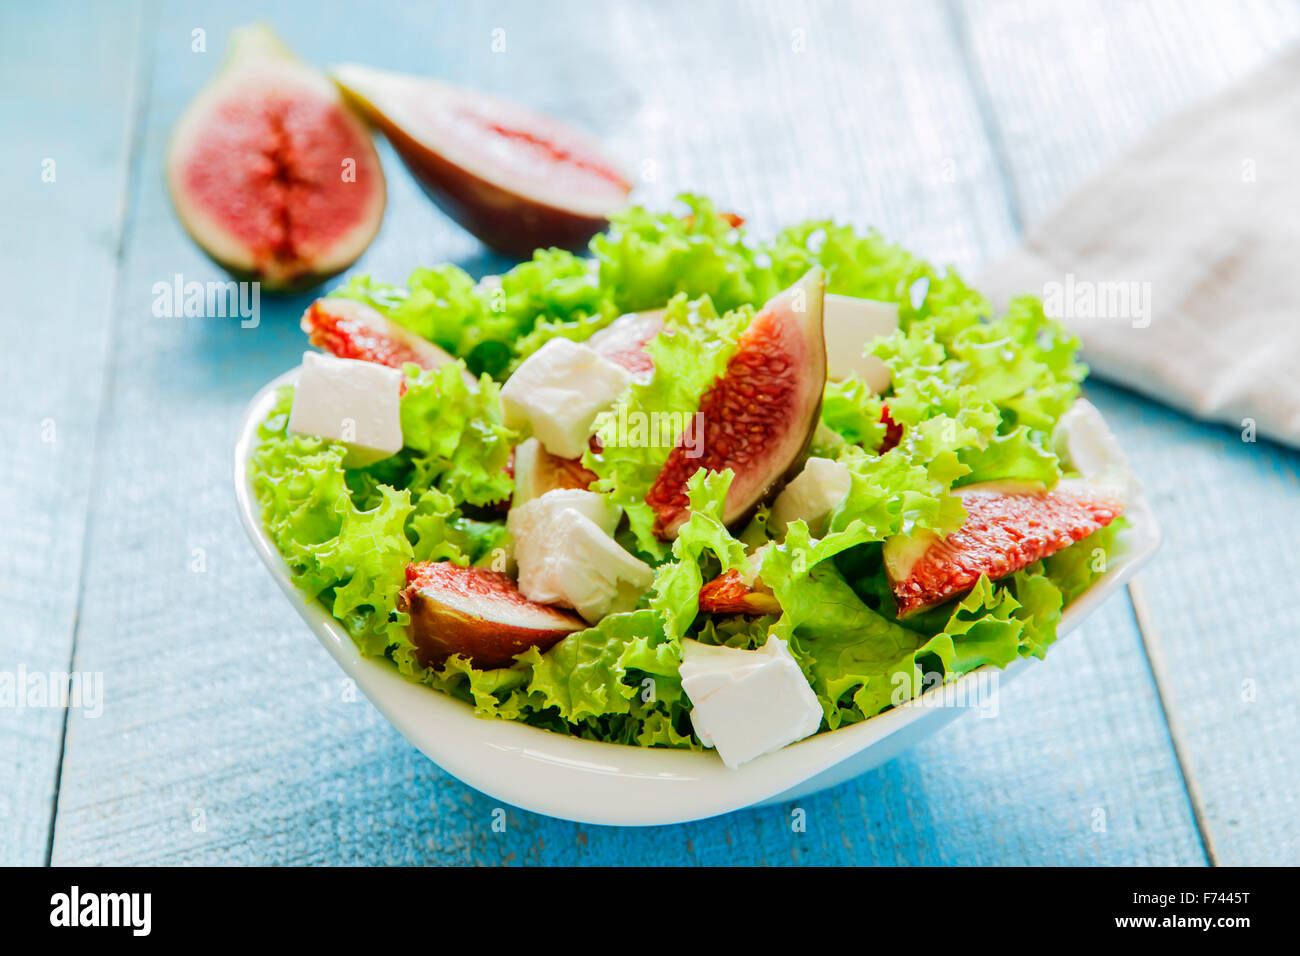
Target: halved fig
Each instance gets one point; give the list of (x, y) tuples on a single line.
[(623, 341), (759, 416), (271, 173), (350, 329), (1009, 525), (478, 614), (516, 178)]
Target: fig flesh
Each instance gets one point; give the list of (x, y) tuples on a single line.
[(624, 341), (516, 178), (759, 416), (476, 613), (271, 173), (1009, 526), (349, 329)]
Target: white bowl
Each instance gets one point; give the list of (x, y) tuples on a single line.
[(617, 785)]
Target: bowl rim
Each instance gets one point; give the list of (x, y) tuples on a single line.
[(601, 783)]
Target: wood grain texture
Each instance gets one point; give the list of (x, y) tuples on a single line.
[(1070, 85), (1222, 592), (1222, 597), (227, 734), (66, 113)]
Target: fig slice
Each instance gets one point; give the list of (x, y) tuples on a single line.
[(730, 593), (624, 341), (349, 329), (514, 177), (759, 416), (537, 471), (1009, 526), (271, 173), (478, 614)]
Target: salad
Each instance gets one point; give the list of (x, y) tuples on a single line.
[(697, 490)]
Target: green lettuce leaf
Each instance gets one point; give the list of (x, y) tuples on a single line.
[(353, 559), (853, 411), (703, 541), (645, 259), (454, 437), (851, 655), (1018, 455), (494, 324), (1074, 569), (583, 675)]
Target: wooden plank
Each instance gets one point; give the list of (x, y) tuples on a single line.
[(1220, 595), (67, 79), (1071, 85), (227, 737)]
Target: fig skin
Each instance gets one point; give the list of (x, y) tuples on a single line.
[(503, 221), (237, 110), (509, 217), (478, 614)]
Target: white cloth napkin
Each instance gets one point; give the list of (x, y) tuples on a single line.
[(1179, 266)]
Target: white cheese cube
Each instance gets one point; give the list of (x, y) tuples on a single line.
[(349, 401), (566, 555), (747, 703), (812, 495), (850, 324), (528, 519), (559, 390), (1084, 440)]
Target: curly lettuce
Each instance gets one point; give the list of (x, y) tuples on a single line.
[(351, 558), (495, 323)]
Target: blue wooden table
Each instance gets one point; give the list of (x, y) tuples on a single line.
[(1164, 731)]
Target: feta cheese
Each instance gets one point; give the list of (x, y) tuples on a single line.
[(349, 401), (529, 518), (1084, 440), (566, 555), (559, 390), (753, 568), (850, 324), (747, 703), (812, 495)]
